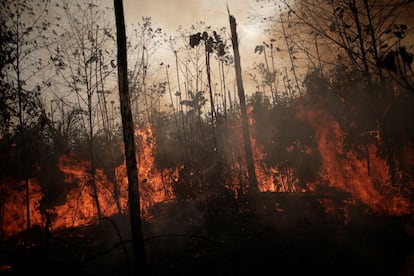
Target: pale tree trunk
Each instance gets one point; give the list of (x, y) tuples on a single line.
[(129, 142), (253, 188)]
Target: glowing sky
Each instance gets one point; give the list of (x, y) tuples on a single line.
[(170, 14)]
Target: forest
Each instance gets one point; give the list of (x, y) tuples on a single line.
[(302, 163)]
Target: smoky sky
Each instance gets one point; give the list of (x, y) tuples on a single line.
[(172, 13), (169, 15)]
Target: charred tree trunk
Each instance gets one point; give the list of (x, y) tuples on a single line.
[(374, 41), (253, 188), (92, 158), (129, 142), (21, 121), (212, 108), (354, 10)]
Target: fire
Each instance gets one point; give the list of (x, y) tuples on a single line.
[(271, 179), (13, 195), (80, 206), (368, 181), (155, 185), (366, 177)]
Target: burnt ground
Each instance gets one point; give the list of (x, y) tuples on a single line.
[(275, 235)]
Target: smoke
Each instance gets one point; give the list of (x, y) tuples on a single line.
[(176, 218), (53, 186)]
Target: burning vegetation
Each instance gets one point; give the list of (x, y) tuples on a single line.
[(331, 187), (312, 150)]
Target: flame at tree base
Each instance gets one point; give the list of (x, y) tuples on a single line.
[(343, 169), (80, 205)]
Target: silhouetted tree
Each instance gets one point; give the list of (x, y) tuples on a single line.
[(23, 26), (129, 143), (79, 58), (212, 44), (253, 188), (360, 33), (143, 43)]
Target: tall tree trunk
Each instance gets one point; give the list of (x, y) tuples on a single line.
[(177, 125), (285, 35), (212, 108), (270, 83), (21, 119), (92, 158), (181, 112), (373, 40), (253, 188), (355, 12), (129, 142)]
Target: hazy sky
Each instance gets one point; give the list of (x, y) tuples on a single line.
[(170, 14)]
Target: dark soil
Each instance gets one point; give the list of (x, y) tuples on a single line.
[(277, 235)]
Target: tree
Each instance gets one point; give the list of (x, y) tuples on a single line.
[(268, 73), (129, 142), (361, 44), (361, 34), (143, 43), (253, 188), (6, 39), (189, 67), (212, 44), (23, 26), (79, 58)]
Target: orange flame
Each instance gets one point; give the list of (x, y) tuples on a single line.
[(14, 210), (348, 171), (368, 182), (80, 206), (155, 185), (270, 179)]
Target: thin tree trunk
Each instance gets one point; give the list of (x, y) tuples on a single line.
[(288, 91), (212, 108), (129, 142), (172, 105), (108, 135), (253, 188), (374, 40), (181, 112), (319, 57), (291, 57), (275, 80), (354, 10), (21, 119), (224, 90), (92, 158), (272, 91), (88, 77)]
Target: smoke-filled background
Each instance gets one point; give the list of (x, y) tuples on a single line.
[(314, 170)]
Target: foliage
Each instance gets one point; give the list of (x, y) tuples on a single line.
[(143, 43), (22, 26), (6, 38), (213, 43)]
